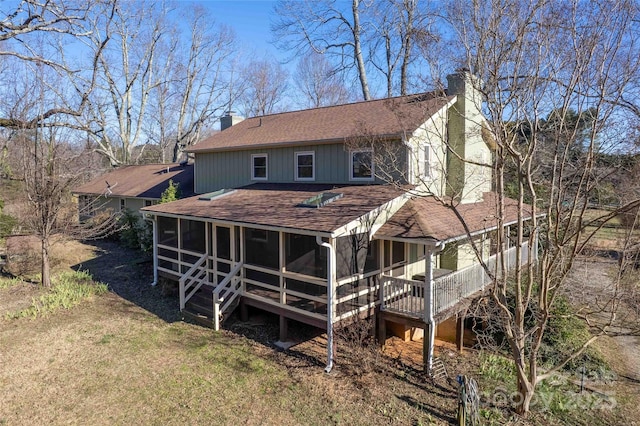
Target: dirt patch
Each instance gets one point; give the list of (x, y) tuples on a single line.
[(24, 254), (17, 297)]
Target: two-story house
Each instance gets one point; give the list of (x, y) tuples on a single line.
[(328, 214)]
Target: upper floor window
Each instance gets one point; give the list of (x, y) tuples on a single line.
[(259, 167), (305, 165), (123, 204), (362, 164), (426, 161)]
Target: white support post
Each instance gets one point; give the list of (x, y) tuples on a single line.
[(154, 223), (216, 312), (282, 267), (331, 281), (429, 305)]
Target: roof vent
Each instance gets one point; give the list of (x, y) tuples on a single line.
[(216, 194), (321, 200)]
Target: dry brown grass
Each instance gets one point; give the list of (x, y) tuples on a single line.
[(24, 256)]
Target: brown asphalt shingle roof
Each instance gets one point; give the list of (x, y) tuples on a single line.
[(146, 181), (384, 117), (427, 218), (276, 205)]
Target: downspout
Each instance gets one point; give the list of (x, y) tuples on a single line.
[(154, 222), (330, 284), (429, 306)]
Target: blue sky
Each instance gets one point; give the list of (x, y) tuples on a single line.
[(250, 21)]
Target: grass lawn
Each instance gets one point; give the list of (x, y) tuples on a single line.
[(108, 361), (124, 357)]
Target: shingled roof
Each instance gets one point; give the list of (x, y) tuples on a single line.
[(145, 181), (278, 205), (428, 218), (392, 117)]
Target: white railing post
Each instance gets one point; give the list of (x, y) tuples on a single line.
[(216, 312), (182, 299)]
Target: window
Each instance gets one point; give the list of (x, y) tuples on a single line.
[(122, 204), (426, 161), (362, 164), (259, 167), (305, 166), (87, 205)]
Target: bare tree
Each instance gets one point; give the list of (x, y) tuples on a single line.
[(265, 88), (399, 26), (50, 168), (325, 27), (548, 73), (318, 83), (127, 77), (36, 32), (194, 90)]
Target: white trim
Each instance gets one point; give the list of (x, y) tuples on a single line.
[(350, 164), (229, 223), (266, 166), (296, 165)]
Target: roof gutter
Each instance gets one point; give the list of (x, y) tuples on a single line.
[(331, 264), (429, 314)]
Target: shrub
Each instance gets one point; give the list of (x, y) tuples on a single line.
[(135, 233), (172, 193)]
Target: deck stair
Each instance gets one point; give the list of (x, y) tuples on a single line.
[(207, 304)]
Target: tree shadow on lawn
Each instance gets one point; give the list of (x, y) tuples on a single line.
[(129, 274)]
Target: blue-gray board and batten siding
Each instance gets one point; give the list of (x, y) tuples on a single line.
[(232, 169)]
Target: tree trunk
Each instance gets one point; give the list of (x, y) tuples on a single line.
[(46, 267), (362, 73), (525, 395)]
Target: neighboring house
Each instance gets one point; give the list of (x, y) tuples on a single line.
[(132, 187), (298, 217)]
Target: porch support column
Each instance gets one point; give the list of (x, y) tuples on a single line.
[(428, 341), (429, 307), (244, 311), (427, 347), (283, 328), (460, 332), (382, 331), (154, 224)]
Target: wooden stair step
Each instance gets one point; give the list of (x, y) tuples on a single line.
[(199, 319)]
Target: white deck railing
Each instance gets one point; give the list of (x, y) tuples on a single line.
[(225, 293), (451, 288), (407, 297), (192, 280)]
